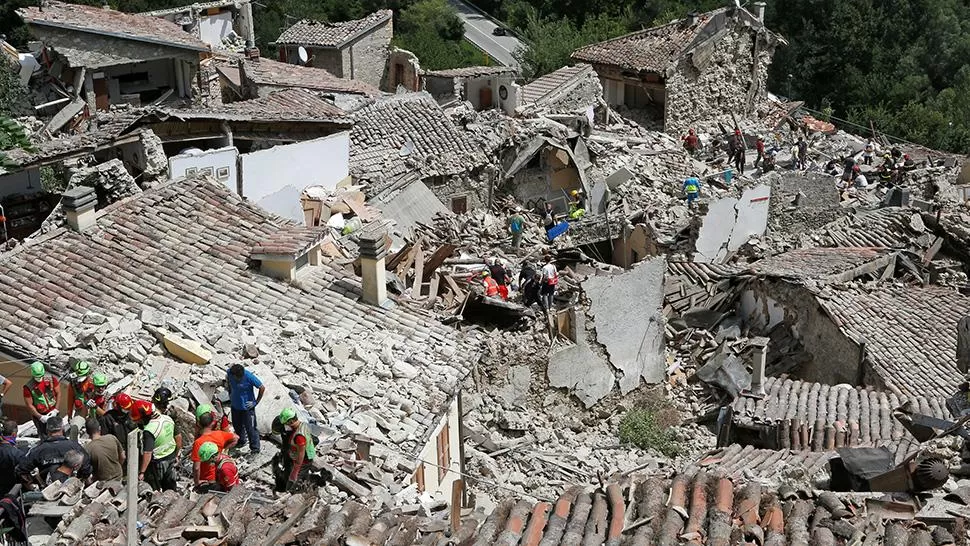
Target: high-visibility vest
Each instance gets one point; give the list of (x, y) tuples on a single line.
[(39, 391), (221, 460), (163, 429), (491, 287), (311, 450)]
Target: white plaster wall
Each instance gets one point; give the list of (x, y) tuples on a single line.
[(214, 28), (274, 178), (760, 312), (26, 182), (432, 485), (209, 159)]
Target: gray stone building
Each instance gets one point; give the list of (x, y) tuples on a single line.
[(356, 50), (117, 57), (223, 24), (701, 68)]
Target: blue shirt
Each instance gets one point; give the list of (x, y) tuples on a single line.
[(693, 181), (242, 391)]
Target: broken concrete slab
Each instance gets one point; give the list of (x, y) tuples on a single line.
[(276, 397), (727, 371), (577, 368), (731, 222), (516, 391), (631, 324), (186, 350)]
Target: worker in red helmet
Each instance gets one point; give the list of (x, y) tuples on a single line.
[(161, 446), (123, 402)]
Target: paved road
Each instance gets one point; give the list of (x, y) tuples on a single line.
[(478, 31)]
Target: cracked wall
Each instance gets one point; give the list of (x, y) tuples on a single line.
[(730, 223)]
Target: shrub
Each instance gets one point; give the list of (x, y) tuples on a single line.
[(642, 428)]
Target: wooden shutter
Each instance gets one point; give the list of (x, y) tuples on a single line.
[(444, 452), (419, 478)]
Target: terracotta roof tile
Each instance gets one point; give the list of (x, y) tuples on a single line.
[(650, 50), (291, 242), (802, 415), (109, 22), (470, 72), (550, 84), (409, 132), (817, 263), (276, 74), (331, 35), (284, 105), (889, 227), (910, 334)]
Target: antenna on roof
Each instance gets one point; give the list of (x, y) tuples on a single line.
[(304, 56)]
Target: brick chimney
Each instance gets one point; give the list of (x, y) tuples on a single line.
[(79, 206), (373, 250), (759, 358), (692, 18), (759, 11)]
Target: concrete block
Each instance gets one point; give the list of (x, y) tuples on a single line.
[(582, 371), (186, 350), (276, 398)]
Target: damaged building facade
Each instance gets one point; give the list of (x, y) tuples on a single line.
[(222, 24), (693, 70)]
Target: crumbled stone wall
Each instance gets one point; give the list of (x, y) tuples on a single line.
[(580, 98), (716, 81), (411, 79), (370, 54), (473, 186)]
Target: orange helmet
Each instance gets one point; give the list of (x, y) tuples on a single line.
[(141, 409), (123, 401)]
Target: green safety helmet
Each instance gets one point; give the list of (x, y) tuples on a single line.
[(287, 415), (82, 367), (202, 409), (37, 370), (207, 451), (99, 380)]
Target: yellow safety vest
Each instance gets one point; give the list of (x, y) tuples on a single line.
[(163, 429)]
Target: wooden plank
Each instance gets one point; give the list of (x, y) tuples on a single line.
[(435, 288), (396, 259), (418, 270), (406, 263), (437, 258), (459, 293)]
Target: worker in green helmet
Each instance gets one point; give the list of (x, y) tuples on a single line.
[(41, 395), (222, 422), (298, 450), (222, 467), (80, 392)]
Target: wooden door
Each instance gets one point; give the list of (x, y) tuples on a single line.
[(484, 98), (101, 93)]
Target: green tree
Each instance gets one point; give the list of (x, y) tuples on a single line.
[(551, 41), (432, 30)]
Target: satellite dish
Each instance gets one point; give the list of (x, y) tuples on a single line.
[(304, 56)]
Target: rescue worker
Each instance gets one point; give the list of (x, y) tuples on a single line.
[(549, 280), (116, 420), (691, 142), (11, 456), (868, 152), (549, 218), (46, 456), (886, 170), (222, 439), (759, 146), (489, 284), (577, 205), (736, 150), (100, 382), (160, 446), (226, 474), (529, 283), (516, 228), (802, 153), (692, 189), (298, 450), (246, 392), (161, 398), (80, 393), (41, 395)]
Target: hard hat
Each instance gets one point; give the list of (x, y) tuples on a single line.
[(162, 395), (574, 193), (141, 409), (737, 131), (37, 370), (82, 368), (287, 415), (207, 451), (99, 379), (123, 401), (485, 273), (202, 409), (855, 168)]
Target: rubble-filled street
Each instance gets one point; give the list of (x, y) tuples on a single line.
[(336, 298)]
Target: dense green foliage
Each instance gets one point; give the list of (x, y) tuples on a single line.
[(644, 429)]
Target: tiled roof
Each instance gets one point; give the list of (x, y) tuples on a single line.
[(910, 334), (284, 105), (889, 227), (696, 507), (189, 7), (409, 132), (766, 465), (109, 22), (184, 248), (649, 50), (689, 285), (817, 263), (291, 242), (274, 73), (802, 415), (470, 71), (552, 83), (331, 35), (62, 148)]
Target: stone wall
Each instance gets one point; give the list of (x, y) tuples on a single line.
[(727, 75), (366, 58), (472, 186), (407, 76), (331, 60)]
